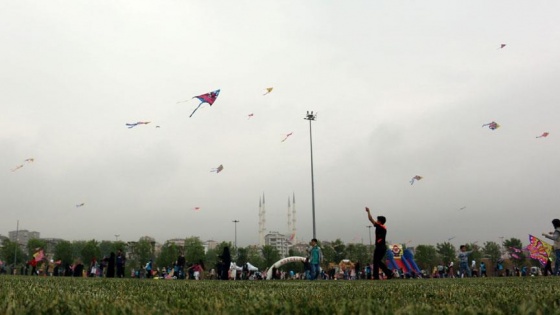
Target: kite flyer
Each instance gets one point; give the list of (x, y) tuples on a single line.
[(380, 247)]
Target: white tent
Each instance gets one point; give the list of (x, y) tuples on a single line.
[(251, 267)]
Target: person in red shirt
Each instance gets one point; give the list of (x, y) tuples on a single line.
[(380, 246)]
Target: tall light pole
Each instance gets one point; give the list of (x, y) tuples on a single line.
[(235, 222), (16, 248), (311, 117)]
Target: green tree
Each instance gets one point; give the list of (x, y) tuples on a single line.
[(358, 253), (427, 257), (254, 256), (270, 255), (194, 250), (106, 247), (491, 250), (339, 250), (242, 256), (168, 254), (77, 247), (89, 252), (142, 251), (10, 251), (513, 247), (211, 258), (476, 254), (63, 251), (328, 254), (447, 252)]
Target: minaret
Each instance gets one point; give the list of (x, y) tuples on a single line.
[(262, 221), (289, 216), (294, 241)]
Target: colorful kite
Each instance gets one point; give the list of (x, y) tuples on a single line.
[(209, 98), (80, 205), (493, 125), (31, 160), (268, 90), (287, 135), (250, 116), (39, 255), (539, 249), (544, 135), (417, 177), (137, 123), (217, 169), (502, 46)]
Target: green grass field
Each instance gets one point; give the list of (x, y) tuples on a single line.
[(33, 295)]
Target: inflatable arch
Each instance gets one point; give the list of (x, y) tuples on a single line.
[(282, 262)]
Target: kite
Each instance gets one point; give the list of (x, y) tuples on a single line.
[(196, 209), (502, 46), (449, 239), (268, 90), (217, 169), (29, 160), (39, 255), (538, 249), (544, 135), (137, 123), (493, 125), (80, 205), (250, 116), (17, 167), (462, 208), (292, 237), (209, 98), (287, 135), (417, 177)]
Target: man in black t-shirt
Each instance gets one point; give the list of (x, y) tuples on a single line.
[(380, 246)]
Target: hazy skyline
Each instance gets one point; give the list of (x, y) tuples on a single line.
[(401, 88)]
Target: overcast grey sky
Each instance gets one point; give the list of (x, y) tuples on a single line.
[(402, 88)]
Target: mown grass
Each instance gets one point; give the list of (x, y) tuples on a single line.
[(32, 295)]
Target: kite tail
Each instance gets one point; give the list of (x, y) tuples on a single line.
[(195, 109)]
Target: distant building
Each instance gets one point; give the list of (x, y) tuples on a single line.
[(51, 245), (300, 248), (22, 237), (209, 245), (279, 241)]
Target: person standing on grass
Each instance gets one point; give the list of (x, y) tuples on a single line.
[(464, 261), (555, 236), (380, 246), (314, 259), (121, 260)]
